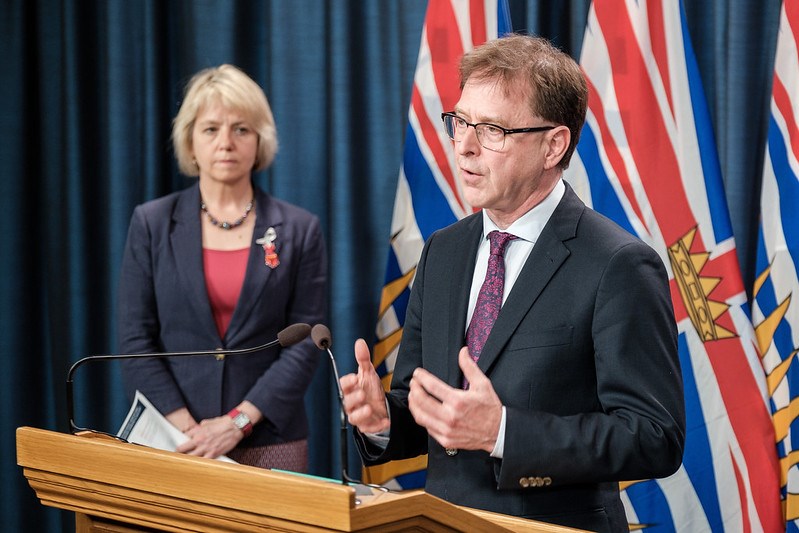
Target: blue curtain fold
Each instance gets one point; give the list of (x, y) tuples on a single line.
[(88, 94)]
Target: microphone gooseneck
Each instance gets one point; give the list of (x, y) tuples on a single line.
[(320, 334), (286, 337)]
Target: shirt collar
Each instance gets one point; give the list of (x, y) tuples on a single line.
[(530, 225)]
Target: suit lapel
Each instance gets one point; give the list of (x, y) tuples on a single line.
[(267, 215), (547, 256), (187, 246), (464, 252)]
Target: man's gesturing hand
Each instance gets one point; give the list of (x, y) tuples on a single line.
[(364, 398), (457, 418)]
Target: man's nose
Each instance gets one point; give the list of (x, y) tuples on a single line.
[(468, 142)]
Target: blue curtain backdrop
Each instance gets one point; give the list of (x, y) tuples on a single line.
[(89, 88)]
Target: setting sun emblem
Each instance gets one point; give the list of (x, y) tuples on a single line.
[(695, 289)]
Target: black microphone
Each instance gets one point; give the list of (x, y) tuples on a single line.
[(320, 334), (286, 337)]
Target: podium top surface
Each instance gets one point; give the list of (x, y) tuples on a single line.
[(176, 492)]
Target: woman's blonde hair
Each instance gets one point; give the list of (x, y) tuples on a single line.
[(233, 89)]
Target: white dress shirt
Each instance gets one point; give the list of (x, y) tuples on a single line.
[(527, 229)]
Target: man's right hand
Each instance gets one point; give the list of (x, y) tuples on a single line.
[(364, 397)]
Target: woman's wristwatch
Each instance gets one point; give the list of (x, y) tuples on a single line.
[(242, 421)]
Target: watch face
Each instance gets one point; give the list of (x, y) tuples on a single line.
[(241, 420)]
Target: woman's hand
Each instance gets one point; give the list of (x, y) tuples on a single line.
[(212, 437)]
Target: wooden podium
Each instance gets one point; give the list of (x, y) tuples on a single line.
[(120, 487)]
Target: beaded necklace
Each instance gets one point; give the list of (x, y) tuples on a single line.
[(224, 224)]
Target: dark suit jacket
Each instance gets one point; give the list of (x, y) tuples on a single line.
[(164, 306), (583, 355)]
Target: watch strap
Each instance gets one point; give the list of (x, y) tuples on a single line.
[(242, 421)]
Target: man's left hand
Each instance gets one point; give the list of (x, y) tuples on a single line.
[(457, 418)]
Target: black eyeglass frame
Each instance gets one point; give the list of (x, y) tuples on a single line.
[(505, 131)]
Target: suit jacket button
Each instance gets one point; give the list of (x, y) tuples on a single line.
[(524, 482), (220, 356), (452, 452), (547, 481)]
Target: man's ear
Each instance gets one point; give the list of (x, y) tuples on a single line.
[(558, 141)]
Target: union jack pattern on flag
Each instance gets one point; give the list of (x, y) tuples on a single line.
[(647, 159), (775, 315), (428, 195)]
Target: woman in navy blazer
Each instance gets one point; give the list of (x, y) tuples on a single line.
[(223, 265)]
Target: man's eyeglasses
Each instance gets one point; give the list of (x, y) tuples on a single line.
[(490, 136)]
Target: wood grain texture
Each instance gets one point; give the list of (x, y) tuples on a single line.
[(120, 487)]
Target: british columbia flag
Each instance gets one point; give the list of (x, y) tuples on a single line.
[(428, 195), (774, 313), (647, 159)]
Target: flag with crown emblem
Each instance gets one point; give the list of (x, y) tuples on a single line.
[(647, 159), (428, 194), (774, 312)]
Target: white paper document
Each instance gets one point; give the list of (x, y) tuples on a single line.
[(145, 425)]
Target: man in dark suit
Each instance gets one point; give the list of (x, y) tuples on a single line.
[(577, 382)]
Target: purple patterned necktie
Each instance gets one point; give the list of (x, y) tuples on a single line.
[(489, 300)]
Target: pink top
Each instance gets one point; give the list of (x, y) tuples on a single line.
[(224, 277)]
